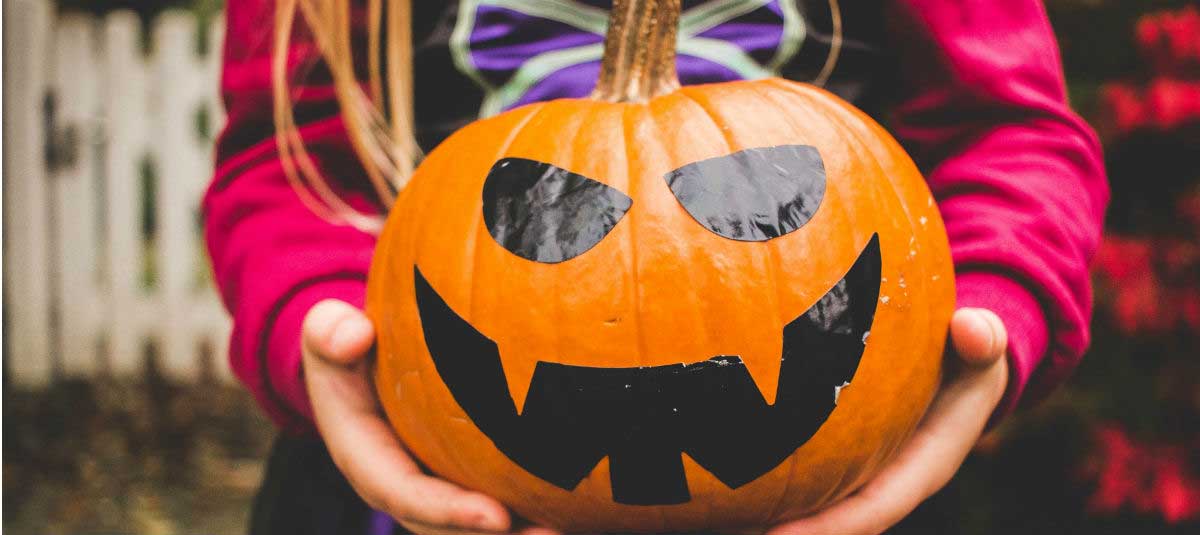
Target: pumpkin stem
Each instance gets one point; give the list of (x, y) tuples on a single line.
[(639, 51)]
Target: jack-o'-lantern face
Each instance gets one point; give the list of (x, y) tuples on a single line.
[(617, 306), (642, 417)]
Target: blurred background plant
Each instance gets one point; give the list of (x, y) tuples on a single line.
[(1117, 450)]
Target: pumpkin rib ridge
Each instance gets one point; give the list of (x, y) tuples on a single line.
[(775, 269), (464, 476), (532, 112), (698, 316), (685, 92), (773, 245), (575, 151), (708, 106), (839, 115), (915, 244), (774, 260), (730, 143), (778, 508), (633, 217), (803, 105), (417, 343), (821, 105), (921, 232), (542, 108), (471, 475)]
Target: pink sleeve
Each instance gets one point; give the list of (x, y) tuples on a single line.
[(273, 258), (1018, 177)]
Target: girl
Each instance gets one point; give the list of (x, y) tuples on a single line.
[(973, 89)]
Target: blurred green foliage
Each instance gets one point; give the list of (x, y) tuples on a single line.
[(1096, 37), (146, 8), (205, 10)]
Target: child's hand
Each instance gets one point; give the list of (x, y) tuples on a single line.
[(951, 426), (336, 340), (338, 336)]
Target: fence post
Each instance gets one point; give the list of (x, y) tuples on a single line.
[(76, 189), (181, 169), (27, 352), (125, 107)]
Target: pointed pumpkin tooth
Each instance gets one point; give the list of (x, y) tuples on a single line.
[(764, 370), (518, 372)]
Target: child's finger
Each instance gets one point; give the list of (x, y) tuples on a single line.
[(337, 331), (978, 335), (366, 450)]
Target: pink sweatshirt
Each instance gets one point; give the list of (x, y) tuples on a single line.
[(974, 90)]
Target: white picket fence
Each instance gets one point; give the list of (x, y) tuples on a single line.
[(104, 168)]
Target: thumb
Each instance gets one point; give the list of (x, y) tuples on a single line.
[(978, 335), (337, 332)]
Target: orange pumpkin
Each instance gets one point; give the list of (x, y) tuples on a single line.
[(662, 308)]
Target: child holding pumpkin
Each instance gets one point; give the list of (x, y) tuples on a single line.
[(974, 91)]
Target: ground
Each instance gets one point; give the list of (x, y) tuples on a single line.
[(131, 457)]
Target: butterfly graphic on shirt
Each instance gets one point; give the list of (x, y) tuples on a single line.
[(523, 51)]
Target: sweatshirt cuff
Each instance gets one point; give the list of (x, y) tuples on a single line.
[(1023, 318), (281, 357)]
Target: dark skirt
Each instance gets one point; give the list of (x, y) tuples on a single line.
[(303, 493)]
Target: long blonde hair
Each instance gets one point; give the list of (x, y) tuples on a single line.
[(378, 119)]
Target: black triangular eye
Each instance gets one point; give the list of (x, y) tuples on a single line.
[(753, 194), (547, 214)]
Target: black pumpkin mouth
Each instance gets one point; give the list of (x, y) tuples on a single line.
[(644, 418)]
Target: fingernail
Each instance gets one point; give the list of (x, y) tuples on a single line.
[(490, 523), (991, 329), (999, 335), (486, 520), (349, 331)]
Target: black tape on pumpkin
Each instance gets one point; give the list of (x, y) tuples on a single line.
[(643, 418), (753, 194), (547, 214)]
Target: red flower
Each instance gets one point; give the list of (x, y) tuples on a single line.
[(1118, 478), (1120, 107), (1121, 258), (1176, 492), (1125, 267), (1170, 40), (1151, 283), (1165, 104), (1146, 479), (1171, 103)]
